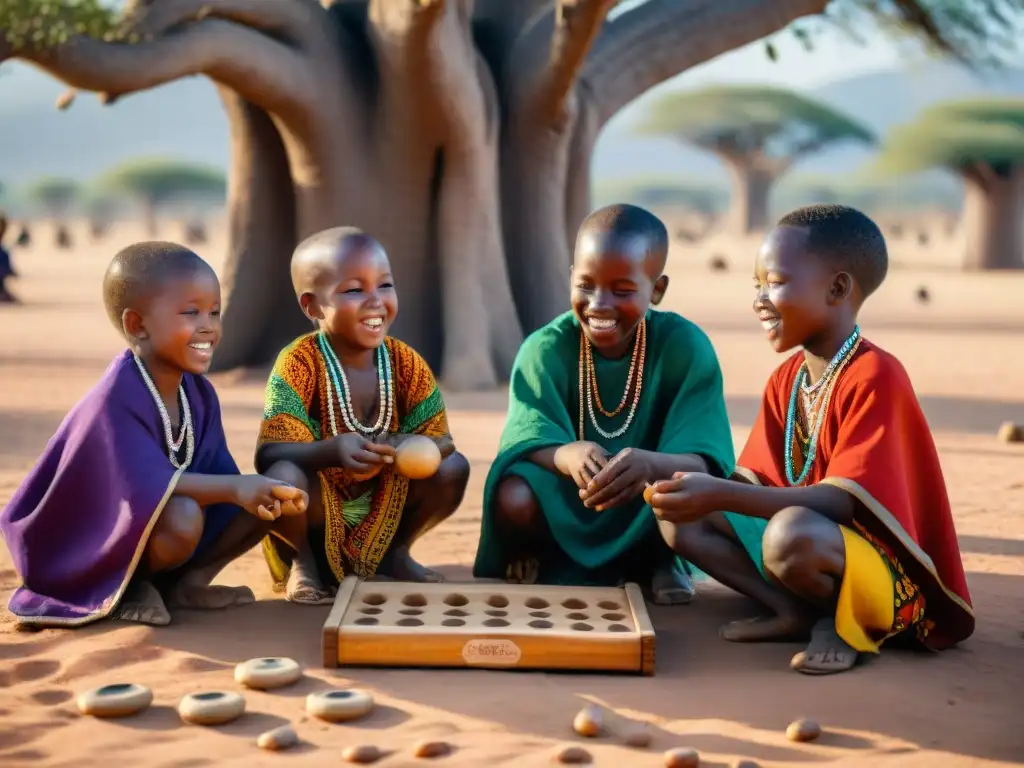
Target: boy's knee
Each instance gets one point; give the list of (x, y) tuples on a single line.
[(454, 473), (290, 473), (683, 539), (176, 534), (793, 541), (515, 504)]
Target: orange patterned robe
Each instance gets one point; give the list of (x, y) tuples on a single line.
[(295, 410)]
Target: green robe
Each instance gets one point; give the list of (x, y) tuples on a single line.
[(681, 411)]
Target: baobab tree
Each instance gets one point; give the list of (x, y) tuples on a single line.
[(459, 133), (982, 142), (757, 132)]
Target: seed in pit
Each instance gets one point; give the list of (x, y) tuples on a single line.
[(682, 757), (588, 721), (638, 736), (431, 749), (572, 756), (803, 730), (364, 753)]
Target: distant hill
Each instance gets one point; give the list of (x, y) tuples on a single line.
[(185, 120)]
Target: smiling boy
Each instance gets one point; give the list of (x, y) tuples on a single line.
[(338, 404), (136, 499), (839, 519), (604, 399)]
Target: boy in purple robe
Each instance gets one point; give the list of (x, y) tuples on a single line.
[(136, 499)]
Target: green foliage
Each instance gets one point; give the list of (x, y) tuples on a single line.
[(158, 181), (54, 193), (752, 118), (976, 32), (955, 135), (655, 192), (43, 24)]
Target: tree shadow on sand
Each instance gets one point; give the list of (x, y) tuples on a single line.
[(960, 701)]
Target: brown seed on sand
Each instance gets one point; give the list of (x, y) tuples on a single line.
[(745, 764), (638, 736), (573, 756), (364, 753), (682, 757), (1010, 433), (588, 721), (431, 749), (803, 730), (278, 738)]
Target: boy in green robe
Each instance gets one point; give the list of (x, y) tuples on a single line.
[(605, 399)]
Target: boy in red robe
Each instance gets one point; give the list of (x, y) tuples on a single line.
[(840, 523)]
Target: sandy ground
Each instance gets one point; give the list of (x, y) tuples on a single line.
[(963, 707)]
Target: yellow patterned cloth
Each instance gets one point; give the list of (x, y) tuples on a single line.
[(358, 529)]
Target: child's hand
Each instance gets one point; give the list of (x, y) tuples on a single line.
[(268, 499), (687, 497), (362, 458), (621, 480), (581, 461)]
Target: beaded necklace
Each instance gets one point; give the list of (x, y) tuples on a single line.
[(822, 398), (335, 381), (588, 392), (186, 431)]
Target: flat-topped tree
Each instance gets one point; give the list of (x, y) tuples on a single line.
[(758, 133), (157, 182), (982, 142), (459, 133), (55, 195)]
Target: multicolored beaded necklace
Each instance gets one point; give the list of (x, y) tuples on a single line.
[(588, 384), (818, 396), (336, 381)]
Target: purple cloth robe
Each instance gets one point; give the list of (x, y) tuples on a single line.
[(78, 525)]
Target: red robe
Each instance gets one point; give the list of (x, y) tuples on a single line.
[(875, 443)]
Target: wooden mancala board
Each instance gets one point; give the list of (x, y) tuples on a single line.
[(494, 626)]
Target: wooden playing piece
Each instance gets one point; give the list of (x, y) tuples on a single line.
[(211, 707), (493, 626), (681, 757), (339, 706), (429, 749), (267, 673), (118, 700), (588, 721), (803, 730), (417, 458), (278, 739)]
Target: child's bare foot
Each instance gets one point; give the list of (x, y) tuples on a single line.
[(827, 653), (304, 586), (399, 565), (142, 603), (672, 586), (764, 629), (198, 594), (523, 570)]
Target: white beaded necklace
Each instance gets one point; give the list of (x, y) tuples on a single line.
[(336, 380), (186, 431)]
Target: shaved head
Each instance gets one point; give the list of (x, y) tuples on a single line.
[(625, 229), (319, 255), (141, 270)]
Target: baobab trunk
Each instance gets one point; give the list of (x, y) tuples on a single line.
[(749, 209), (994, 221)]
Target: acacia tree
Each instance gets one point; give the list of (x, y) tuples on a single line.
[(56, 195), (757, 132), (458, 132), (982, 142), (155, 183)]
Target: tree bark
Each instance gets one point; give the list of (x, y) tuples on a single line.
[(994, 219), (749, 208)]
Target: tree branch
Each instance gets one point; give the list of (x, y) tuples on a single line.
[(661, 38), (299, 22), (259, 69), (577, 23)]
